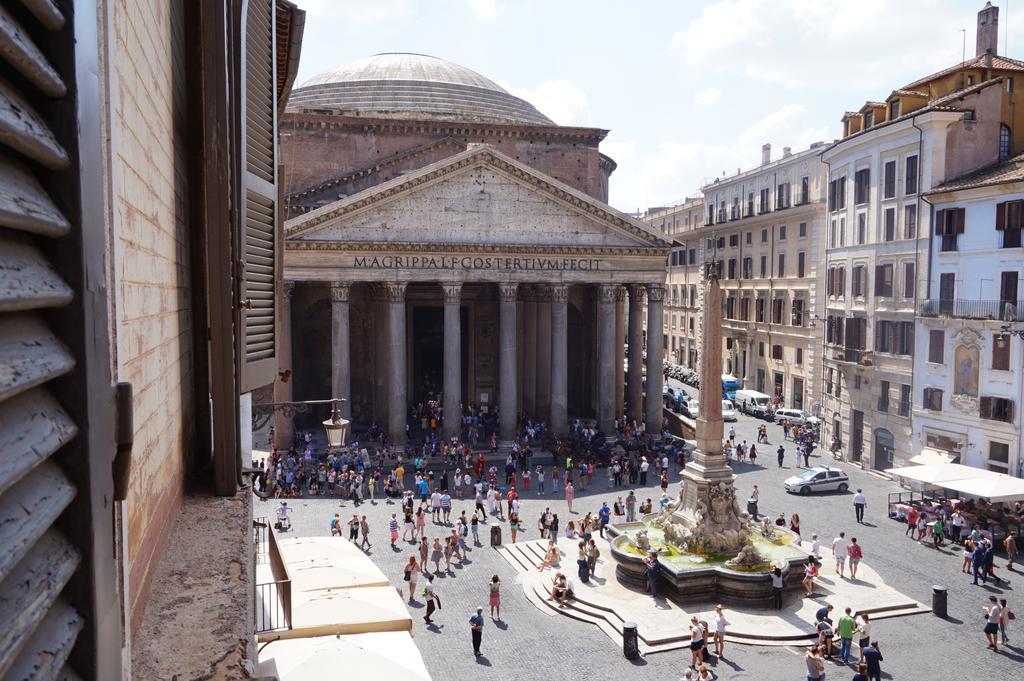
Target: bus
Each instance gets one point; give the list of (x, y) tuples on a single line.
[(730, 384)]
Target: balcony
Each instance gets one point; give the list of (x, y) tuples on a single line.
[(852, 356), (959, 308)]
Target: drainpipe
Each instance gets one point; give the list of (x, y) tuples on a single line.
[(917, 253)]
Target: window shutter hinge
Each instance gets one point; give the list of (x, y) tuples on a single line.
[(124, 438)]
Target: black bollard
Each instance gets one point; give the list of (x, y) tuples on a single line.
[(939, 600), (630, 641)]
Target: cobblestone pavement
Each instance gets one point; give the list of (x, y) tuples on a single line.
[(529, 644)]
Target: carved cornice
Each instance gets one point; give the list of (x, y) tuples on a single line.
[(446, 249), (606, 294), (637, 292), (477, 156), (395, 291), (655, 293), (452, 292), (340, 291), (559, 293), (507, 292)]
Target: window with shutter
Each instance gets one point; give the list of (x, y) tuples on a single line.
[(261, 228), (46, 466)]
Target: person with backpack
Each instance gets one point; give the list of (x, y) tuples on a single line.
[(854, 553)]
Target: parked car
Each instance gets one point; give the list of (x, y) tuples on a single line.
[(691, 408), (794, 416), (728, 411), (673, 399), (818, 479), (753, 403)]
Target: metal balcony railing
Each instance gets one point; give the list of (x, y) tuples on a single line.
[(959, 308), (273, 597)]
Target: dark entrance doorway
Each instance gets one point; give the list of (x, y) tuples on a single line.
[(427, 352), (857, 436)]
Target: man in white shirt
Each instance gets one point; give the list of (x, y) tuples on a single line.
[(644, 467), (859, 502), (435, 506), (839, 545)]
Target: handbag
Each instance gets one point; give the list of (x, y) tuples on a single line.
[(1011, 616)]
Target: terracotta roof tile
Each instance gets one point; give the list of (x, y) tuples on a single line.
[(1010, 170), (1002, 63)]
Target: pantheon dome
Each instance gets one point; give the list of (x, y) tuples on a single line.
[(414, 87)]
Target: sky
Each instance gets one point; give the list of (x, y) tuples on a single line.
[(688, 90)]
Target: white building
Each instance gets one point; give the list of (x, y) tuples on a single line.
[(969, 356)]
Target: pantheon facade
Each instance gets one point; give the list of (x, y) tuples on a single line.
[(444, 238)]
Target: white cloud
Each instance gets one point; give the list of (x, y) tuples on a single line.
[(814, 43), (559, 100), (360, 11), (486, 10), (677, 169), (707, 96)]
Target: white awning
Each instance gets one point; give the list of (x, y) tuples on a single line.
[(387, 655), (938, 474), (995, 487), (931, 456)]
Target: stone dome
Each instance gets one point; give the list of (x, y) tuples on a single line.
[(413, 87)]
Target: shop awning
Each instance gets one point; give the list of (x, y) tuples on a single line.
[(387, 655), (938, 474), (995, 487), (930, 456)]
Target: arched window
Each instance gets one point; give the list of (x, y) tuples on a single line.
[(885, 444), (1004, 141)]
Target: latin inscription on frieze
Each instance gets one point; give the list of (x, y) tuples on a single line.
[(472, 262)]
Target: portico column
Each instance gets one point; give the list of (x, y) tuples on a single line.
[(452, 358), (283, 426), (620, 349), (635, 376), (341, 367), (397, 397), (507, 361), (606, 359), (655, 358), (530, 354), (559, 358)]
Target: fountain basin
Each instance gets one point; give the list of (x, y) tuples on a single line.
[(690, 578)]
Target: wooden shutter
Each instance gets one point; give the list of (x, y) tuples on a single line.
[(1001, 216), (986, 407), (260, 249), (37, 559), (940, 221), (958, 220)]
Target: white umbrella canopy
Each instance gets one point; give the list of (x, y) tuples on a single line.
[(347, 611), (996, 487), (387, 655), (939, 473), (316, 563)]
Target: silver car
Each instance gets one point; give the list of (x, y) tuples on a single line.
[(818, 479)]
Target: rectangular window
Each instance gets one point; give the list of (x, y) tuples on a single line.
[(905, 339), (842, 231), (949, 225), (777, 311), (764, 266), (862, 228), (750, 237), (748, 267), (750, 203), (1010, 221), (730, 308), (759, 310), (782, 196), (904, 407), (764, 236), (734, 240), (763, 204), (805, 190), (999, 456), (760, 349), (800, 267), (883, 397), (745, 309), (932, 399), (890, 224), (799, 357), (890, 180), (1001, 352), (693, 256), (910, 185), (883, 281), (885, 336), (782, 265), (777, 352), (732, 268), (797, 317), (782, 232), (832, 235), (909, 281), (910, 222), (1007, 290), (861, 186), (802, 232), (997, 409), (936, 345), (894, 110)]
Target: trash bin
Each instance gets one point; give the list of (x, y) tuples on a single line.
[(630, 641), (939, 600), (495, 535)]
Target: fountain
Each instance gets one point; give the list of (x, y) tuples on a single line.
[(708, 549)]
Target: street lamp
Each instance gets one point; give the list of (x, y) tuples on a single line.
[(336, 427), (1007, 329)]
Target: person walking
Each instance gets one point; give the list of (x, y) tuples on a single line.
[(604, 516), (696, 641), (570, 493), (859, 502), (732, 435), (993, 615), (978, 563), (1010, 544), (873, 659), (720, 624), (540, 480), (474, 526), (631, 507), (855, 553), (839, 552), (393, 529), (364, 529), (433, 600), (815, 664), (476, 628), (781, 452), (353, 529), (846, 627), (1004, 620), (409, 576), (911, 522), (494, 597)]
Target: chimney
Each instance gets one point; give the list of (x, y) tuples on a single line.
[(786, 152), (987, 40), (766, 154)]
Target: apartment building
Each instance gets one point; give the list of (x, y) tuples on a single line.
[(682, 281), (764, 227), (879, 227), (969, 358)]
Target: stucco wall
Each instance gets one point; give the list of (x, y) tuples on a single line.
[(153, 317)]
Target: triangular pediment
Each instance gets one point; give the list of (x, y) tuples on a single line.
[(479, 196)]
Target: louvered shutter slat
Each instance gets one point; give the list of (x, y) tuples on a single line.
[(260, 85), (25, 131), (46, 13), (27, 279), (30, 354), (28, 509), (31, 591), (46, 652), (35, 426), (17, 48), (24, 205)]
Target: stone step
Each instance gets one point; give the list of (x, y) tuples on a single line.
[(514, 559)]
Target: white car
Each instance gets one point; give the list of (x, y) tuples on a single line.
[(691, 408), (728, 411), (794, 416), (818, 479)]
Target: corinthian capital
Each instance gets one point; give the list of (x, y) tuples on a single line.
[(655, 293), (606, 293), (507, 292), (340, 291), (395, 291), (636, 292), (620, 294), (452, 292), (559, 293)]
